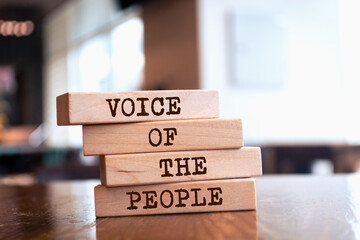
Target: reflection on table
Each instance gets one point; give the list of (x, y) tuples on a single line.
[(289, 207)]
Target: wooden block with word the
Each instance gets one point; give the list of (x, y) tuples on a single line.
[(163, 167), (136, 106), (162, 136), (183, 197)]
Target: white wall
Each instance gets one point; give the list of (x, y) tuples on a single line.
[(316, 102)]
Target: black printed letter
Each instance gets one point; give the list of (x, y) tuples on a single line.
[(167, 163), (151, 142), (143, 112), (181, 204), (199, 168), (161, 100), (170, 135), (113, 110), (173, 108), (150, 199), (132, 200), (132, 106), (215, 196)]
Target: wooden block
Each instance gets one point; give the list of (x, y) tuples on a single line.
[(200, 196), (154, 168), (162, 136), (137, 106)]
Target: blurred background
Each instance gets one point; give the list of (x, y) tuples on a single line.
[(289, 69)]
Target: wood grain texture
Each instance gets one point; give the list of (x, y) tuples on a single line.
[(116, 107), (288, 207), (199, 196), (143, 137), (164, 167)]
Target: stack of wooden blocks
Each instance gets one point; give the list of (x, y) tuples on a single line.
[(163, 152)]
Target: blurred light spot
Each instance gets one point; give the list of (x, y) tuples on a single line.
[(23, 28), (11, 28), (322, 167), (29, 28), (3, 29), (17, 31)]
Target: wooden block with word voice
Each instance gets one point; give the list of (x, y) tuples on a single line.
[(116, 107), (163, 167), (162, 136), (183, 197)]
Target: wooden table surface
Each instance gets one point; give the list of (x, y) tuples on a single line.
[(289, 207)]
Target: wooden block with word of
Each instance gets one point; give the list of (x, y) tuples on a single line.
[(183, 197), (162, 136), (163, 167), (116, 107)]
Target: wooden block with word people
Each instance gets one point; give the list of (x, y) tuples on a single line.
[(162, 136), (181, 166), (116, 107), (183, 197)]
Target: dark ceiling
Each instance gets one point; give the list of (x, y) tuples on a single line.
[(43, 7)]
